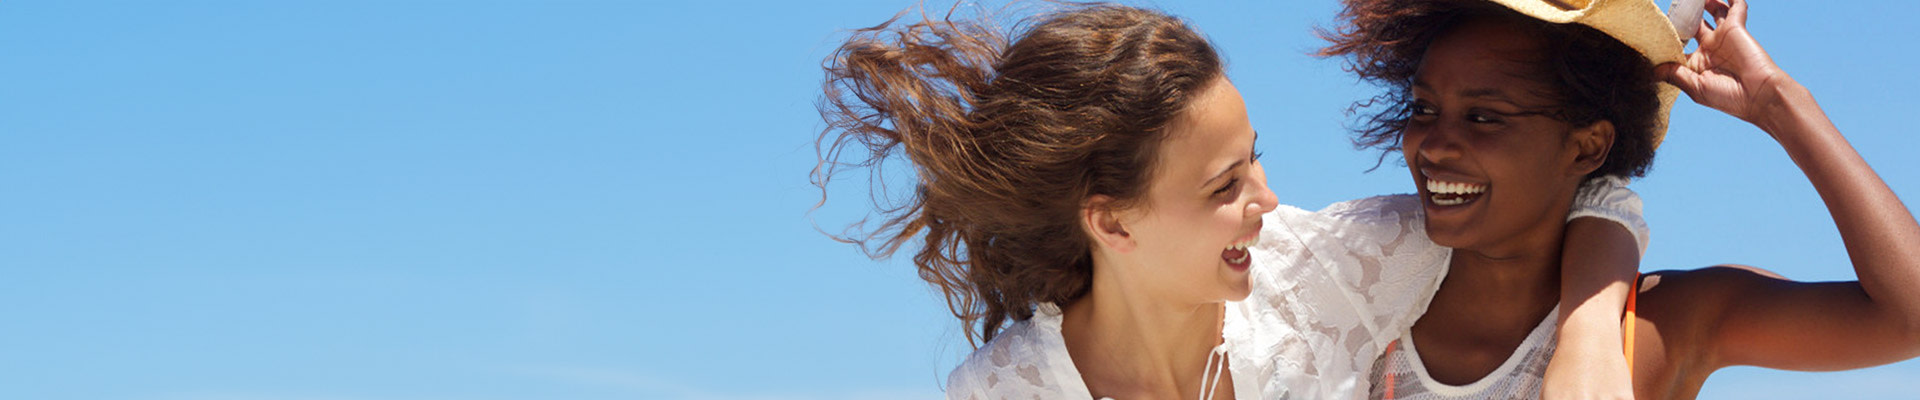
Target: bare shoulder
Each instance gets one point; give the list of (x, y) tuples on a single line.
[(1705, 290), (1677, 312), (1686, 298)]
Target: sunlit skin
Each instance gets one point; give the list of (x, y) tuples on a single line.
[(1473, 122), (1690, 323), (1160, 281)]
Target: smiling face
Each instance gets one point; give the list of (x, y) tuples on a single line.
[(1203, 203), (1495, 170)]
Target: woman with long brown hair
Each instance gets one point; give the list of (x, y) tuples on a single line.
[(1088, 198), (1525, 97)]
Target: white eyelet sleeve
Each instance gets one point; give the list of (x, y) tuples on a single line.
[(1028, 360), (1608, 198)]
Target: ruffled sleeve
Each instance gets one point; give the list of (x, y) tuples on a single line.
[(1331, 289), (1028, 360), (963, 383), (1608, 198)]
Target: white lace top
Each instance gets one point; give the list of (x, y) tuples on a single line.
[(1330, 290), (1519, 377)]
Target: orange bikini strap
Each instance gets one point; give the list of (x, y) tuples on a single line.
[(1627, 322), (1387, 364)]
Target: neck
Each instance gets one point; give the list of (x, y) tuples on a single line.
[(1532, 279), (1521, 274), (1126, 337)]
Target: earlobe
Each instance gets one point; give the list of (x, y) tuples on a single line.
[(1103, 224), (1591, 144)]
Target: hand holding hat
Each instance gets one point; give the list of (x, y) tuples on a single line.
[(1729, 72)]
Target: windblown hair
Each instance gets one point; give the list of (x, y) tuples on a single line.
[(1592, 76), (1008, 140)]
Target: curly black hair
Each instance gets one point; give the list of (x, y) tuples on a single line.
[(1592, 76)]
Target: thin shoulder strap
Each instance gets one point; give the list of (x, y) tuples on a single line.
[(1627, 323), (1387, 364)]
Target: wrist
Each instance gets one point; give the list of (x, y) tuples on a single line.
[(1778, 106)]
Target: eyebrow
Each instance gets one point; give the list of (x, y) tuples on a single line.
[(1223, 172)]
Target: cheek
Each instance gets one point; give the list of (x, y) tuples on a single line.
[(1519, 160), (1411, 135), (1527, 178), (1196, 235), (1410, 142), (1216, 229)]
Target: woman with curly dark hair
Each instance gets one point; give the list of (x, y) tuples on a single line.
[(1087, 197), (1521, 100)]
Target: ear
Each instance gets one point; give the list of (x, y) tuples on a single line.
[(1590, 145), (1102, 223)]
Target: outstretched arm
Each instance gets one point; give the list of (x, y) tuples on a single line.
[(1771, 322)]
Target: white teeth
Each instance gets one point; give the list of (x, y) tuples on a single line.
[(1241, 259), (1439, 187), (1243, 245)]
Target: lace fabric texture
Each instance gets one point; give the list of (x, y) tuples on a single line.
[(1524, 372), (1519, 377), (1330, 290)]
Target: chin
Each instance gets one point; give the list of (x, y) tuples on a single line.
[(1446, 236), (1442, 231), (1239, 287), (1240, 294)]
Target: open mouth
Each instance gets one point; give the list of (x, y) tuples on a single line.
[(1446, 194), (1236, 254)]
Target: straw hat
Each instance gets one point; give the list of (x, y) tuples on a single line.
[(1638, 23)]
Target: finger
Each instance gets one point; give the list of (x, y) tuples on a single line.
[(1706, 35), (1737, 12), (1667, 72), (1699, 61), (1718, 9), (1681, 77)]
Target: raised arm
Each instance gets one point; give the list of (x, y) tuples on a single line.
[(1767, 321), (1600, 258)]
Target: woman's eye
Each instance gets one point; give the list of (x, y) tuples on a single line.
[(1483, 118), (1231, 183), (1422, 110)]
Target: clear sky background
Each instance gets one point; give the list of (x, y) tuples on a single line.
[(435, 199)]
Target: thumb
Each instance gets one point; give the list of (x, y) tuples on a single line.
[(1680, 76)]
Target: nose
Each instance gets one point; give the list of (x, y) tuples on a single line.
[(1263, 201), (1438, 143)]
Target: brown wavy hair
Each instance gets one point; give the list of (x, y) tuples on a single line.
[(1592, 76), (1007, 138)]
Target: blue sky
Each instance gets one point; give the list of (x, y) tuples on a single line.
[(430, 199)]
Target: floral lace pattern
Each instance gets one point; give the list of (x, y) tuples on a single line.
[(1521, 376), (1335, 288), (1330, 290)]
